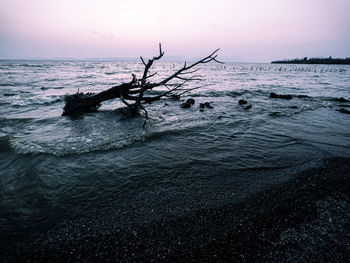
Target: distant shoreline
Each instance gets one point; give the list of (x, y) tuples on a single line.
[(306, 60)]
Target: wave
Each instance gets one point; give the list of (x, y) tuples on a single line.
[(19, 84), (51, 79), (31, 65), (80, 146), (43, 100), (265, 94), (46, 88), (290, 110), (7, 85), (230, 93), (110, 73), (86, 77), (64, 146)]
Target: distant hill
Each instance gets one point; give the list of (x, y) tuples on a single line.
[(306, 60)]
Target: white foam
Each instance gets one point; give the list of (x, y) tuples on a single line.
[(68, 147)]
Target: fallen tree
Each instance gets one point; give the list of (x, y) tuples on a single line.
[(134, 93)]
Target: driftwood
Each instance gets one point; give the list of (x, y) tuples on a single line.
[(133, 93)]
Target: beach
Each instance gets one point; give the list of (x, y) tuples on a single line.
[(305, 219)]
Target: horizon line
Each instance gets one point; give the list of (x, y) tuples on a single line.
[(170, 58)]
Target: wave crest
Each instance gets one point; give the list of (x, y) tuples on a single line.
[(42, 100), (81, 145)]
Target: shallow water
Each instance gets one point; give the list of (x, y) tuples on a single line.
[(101, 170)]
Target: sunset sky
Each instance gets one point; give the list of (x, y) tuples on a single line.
[(250, 30)]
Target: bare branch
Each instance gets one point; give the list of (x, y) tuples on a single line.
[(144, 63), (150, 63), (123, 100), (193, 78), (150, 76), (185, 68), (217, 61)]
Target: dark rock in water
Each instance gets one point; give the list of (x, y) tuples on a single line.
[(341, 99), (273, 95), (244, 102), (278, 96), (190, 101), (275, 114), (287, 97), (175, 97), (248, 107), (344, 111), (185, 105), (293, 107), (205, 105)]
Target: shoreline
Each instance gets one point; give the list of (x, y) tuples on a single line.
[(304, 219), (315, 61)]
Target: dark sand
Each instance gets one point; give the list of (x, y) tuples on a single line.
[(304, 220)]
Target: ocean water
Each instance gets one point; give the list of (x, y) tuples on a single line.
[(64, 178)]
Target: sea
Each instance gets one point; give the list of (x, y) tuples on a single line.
[(64, 178)]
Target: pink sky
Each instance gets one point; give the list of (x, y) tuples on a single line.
[(254, 30)]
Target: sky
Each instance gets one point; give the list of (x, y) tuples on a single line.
[(245, 30)]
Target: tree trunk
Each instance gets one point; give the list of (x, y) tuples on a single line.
[(80, 103)]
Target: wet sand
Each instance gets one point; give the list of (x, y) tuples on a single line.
[(304, 220)]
